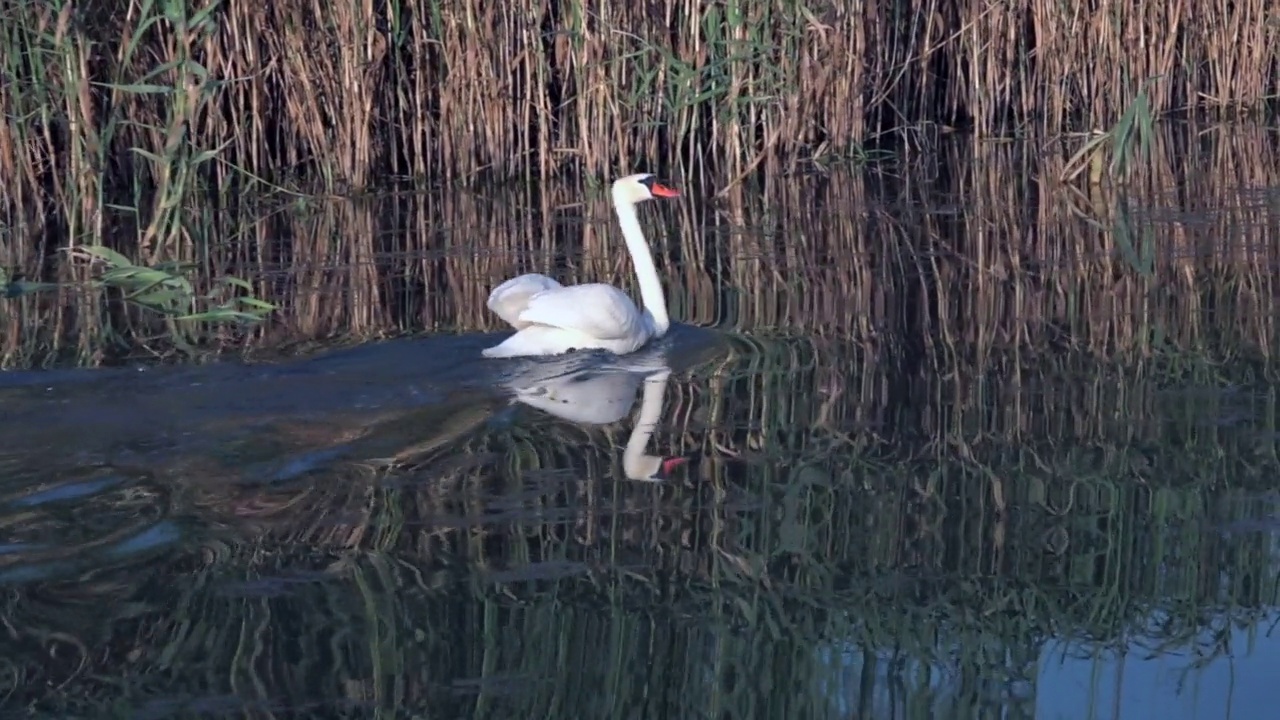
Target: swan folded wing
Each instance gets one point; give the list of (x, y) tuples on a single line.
[(596, 310), (511, 298)]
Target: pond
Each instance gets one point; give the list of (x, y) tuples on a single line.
[(928, 441)]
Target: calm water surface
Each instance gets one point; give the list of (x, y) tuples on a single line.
[(907, 472)]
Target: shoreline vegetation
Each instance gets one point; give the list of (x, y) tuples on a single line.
[(142, 126), (970, 251)]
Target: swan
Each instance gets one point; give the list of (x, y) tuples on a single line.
[(551, 319), (599, 395)]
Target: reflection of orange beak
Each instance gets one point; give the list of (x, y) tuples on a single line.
[(660, 190), (668, 465)]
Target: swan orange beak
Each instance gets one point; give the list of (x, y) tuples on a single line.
[(660, 190)]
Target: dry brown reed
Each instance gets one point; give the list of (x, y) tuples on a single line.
[(998, 255), (101, 100)]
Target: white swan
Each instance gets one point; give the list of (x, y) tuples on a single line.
[(551, 319), (600, 396)]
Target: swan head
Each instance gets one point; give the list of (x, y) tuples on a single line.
[(637, 188)]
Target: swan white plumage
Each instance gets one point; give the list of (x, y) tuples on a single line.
[(591, 394), (551, 319)]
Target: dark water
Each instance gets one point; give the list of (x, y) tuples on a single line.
[(943, 517), (384, 528)]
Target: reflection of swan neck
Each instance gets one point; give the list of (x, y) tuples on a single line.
[(650, 286), (635, 463)]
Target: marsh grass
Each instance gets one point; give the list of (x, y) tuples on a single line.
[(1113, 152), (119, 117), (1003, 254), (189, 317)]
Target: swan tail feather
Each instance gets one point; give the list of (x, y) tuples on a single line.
[(512, 297)]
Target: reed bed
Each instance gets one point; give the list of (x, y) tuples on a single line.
[(119, 115), (979, 247)]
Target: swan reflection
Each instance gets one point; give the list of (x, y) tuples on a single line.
[(585, 391)]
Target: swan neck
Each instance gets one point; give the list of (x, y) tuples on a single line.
[(636, 464), (655, 303)]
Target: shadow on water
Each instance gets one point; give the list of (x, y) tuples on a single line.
[(936, 480)]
